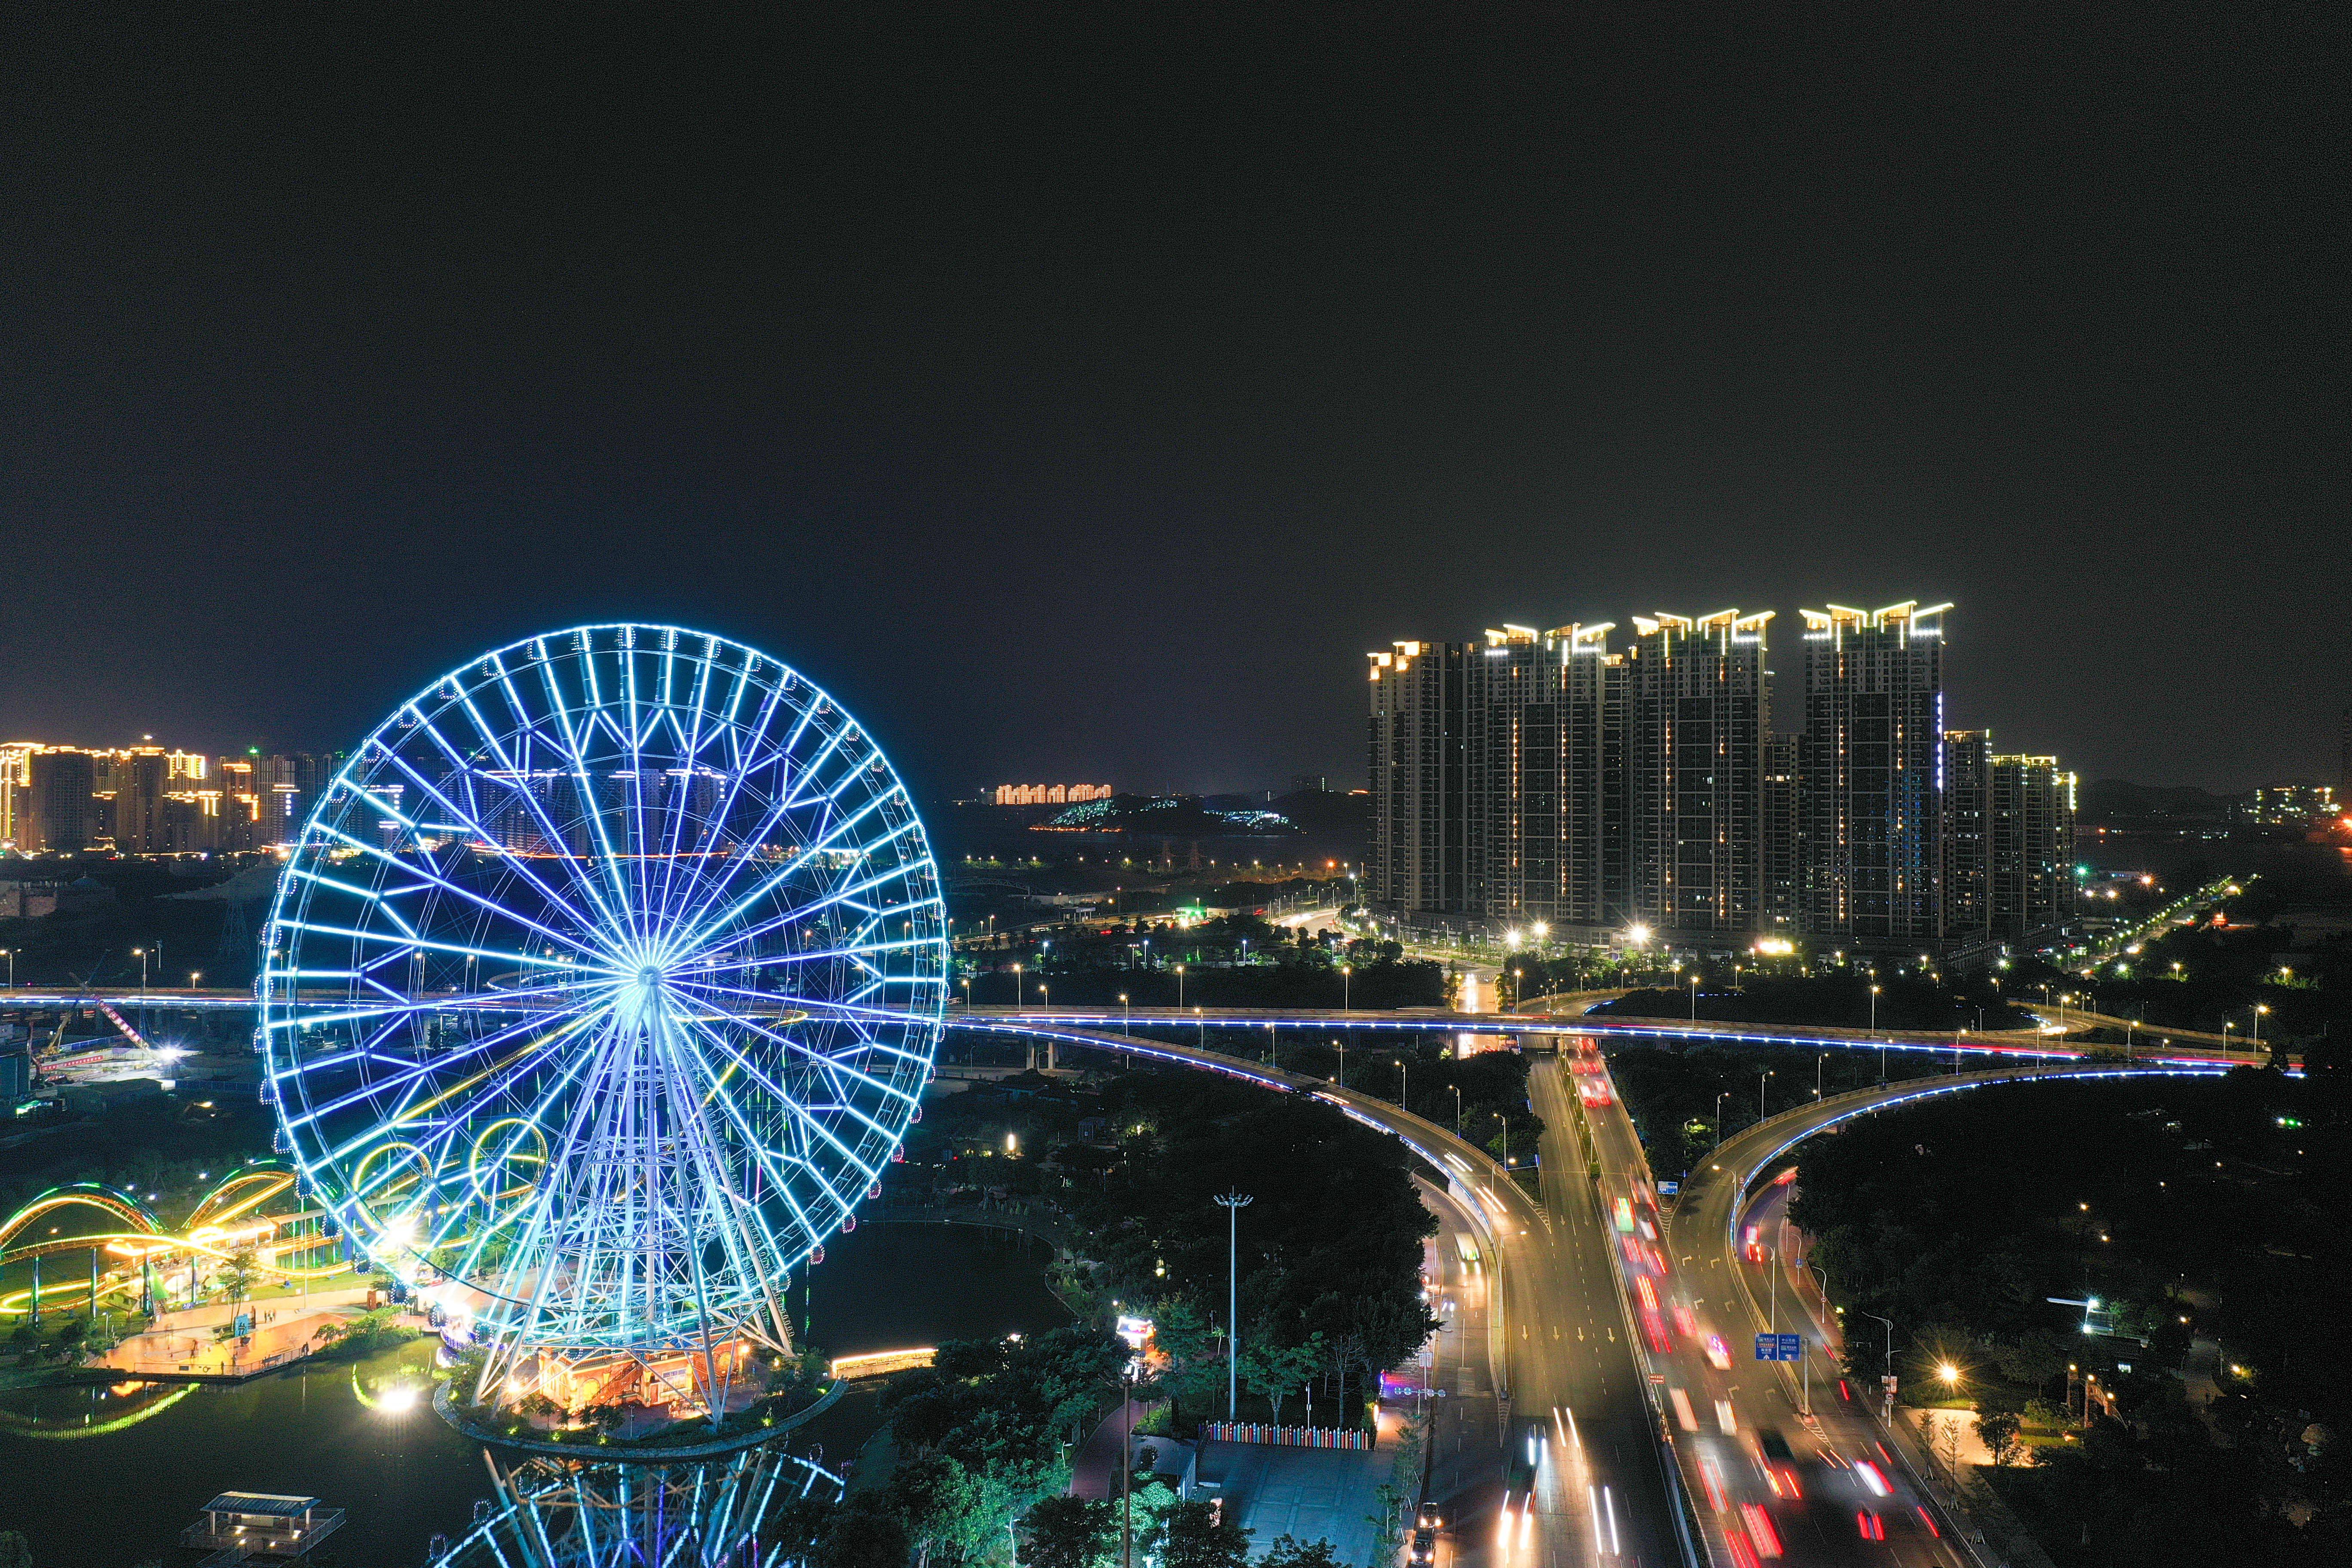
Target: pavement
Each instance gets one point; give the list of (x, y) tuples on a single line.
[(1314, 1494)]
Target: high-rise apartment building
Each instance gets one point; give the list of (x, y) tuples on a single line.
[(1783, 835), (2031, 845), (63, 786), (1968, 836), (1698, 713), (1534, 759), (1417, 747), (1873, 776)]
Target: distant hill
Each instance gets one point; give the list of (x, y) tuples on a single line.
[(2113, 801)]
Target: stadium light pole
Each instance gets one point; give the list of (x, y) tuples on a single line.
[(1233, 1202)]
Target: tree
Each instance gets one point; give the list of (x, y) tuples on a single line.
[(15, 1552), (237, 1275), (933, 1495), (864, 1535), (1194, 1534), (1272, 1372), (1068, 1533), (1998, 1429), (1290, 1552)]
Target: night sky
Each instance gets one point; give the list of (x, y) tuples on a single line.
[(1082, 398)]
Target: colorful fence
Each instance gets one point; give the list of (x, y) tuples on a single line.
[(1286, 1436)]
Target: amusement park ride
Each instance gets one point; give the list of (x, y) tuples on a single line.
[(599, 989)]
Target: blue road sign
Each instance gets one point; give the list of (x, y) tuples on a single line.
[(1779, 1347)]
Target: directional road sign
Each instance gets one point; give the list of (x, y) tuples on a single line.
[(1779, 1347)]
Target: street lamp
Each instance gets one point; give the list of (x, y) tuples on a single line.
[(1347, 986), (1694, 996), (1457, 1108), (10, 953), (1759, 1094), (2259, 1008), (1016, 987), (1180, 985), (1718, 1117), (1404, 1078), (1233, 1202)]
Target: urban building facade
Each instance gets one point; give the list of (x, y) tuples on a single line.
[(1536, 763), (1541, 777), (1873, 776), (145, 800), (1968, 836), (2030, 855), (1417, 756), (1698, 713)]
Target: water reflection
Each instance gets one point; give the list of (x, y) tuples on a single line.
[(562, 1513)]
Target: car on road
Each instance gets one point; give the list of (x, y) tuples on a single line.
[(1719, 1354), (1424, 1547), (1431, 1516), (1779, 1462)]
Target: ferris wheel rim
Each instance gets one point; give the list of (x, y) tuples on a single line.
[(611, 956)]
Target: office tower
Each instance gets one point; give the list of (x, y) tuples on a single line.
[(1968, 836), (1417, 754), (1697, 710), (1874, 818), (2032, 851), (1783, 835), (64, 816), (1536, 764)]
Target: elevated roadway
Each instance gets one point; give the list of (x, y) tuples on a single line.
[(2010, 1046), (1821, 1505)]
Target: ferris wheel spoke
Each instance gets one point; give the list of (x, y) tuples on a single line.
[(399, 1002), (381, 897), (711, 930), (781, 1169), (407, 940), (471, 821), (505, 1071), (577, 755), (719, 1191), (827, 1010), (815, 955), (802, 1114), (694, 741)]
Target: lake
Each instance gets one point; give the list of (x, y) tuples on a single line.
[(107, 1478)]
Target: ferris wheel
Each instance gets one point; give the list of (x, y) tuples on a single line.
[(602, 985)]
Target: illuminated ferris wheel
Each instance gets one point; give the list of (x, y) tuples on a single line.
[(601, 986)]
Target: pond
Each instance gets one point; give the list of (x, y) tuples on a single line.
[(110, 1475)]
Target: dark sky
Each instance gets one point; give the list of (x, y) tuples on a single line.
[(1083, 398)]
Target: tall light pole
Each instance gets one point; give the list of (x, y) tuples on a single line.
[(1718, 1117), (1694, 996), (1759, 1094), (1347, 987), (1016, 987), (1233, 1202), (1457, 1108), (1404, 1080), (11, 954), (1180, 987), (2259, 1008), (1873, 1029)]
